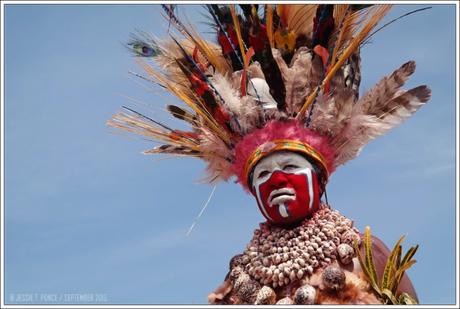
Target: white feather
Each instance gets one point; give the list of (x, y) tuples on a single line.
[(245, 108)]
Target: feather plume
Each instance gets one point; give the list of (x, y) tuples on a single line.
[(193, 103), (332, 113), (236, 24), (140, 125), (231, 91), (226, 34), (377, 14), (191, 34), (218, 156), (243, 108), (323, 25), (302, 15), (269, 22), (341, 12), (349, 21), (375, 101), (209, 51), (297, 17), (361, 128), (299, 78), (173, 72)]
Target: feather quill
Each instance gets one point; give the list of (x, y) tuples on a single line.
[(236, 24)]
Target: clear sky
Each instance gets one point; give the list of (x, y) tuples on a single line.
[(87, 214)]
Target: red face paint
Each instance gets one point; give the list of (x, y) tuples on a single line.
[(287, 197)]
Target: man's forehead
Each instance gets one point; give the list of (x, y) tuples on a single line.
[(282, 157)]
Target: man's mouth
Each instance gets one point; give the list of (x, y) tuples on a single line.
[(281, 196)]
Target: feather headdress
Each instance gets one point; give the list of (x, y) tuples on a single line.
[(277, 73)]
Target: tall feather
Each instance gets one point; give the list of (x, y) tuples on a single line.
[(376, 99), (363, 128), (380, 109), (299, 78), (141, 125), (236, 24), (208, 52), (378, 13), (332, 114), (300, 18), (323, 25), (220, 17), (347, 27), (269, 23), (343, 24), (193, 103)]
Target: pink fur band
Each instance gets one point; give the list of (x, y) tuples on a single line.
[(276, 130)]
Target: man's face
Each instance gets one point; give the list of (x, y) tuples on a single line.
[(286, 187)]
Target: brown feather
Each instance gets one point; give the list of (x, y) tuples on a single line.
[(375, 100), (361, 128), (378, 12), (300, 77), (172, 149), (236, 25), (182, 114), (269, 22), (300, 18)]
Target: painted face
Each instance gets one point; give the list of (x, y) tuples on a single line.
[(286, 187)]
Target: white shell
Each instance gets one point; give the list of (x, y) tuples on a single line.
[(345, 253), (305, 295), (265, 296), (285, 301)]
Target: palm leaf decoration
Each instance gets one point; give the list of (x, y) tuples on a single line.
[(394, 270)]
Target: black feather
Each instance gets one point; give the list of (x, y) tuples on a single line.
[(323, 25), (272, 76), (182, 114)]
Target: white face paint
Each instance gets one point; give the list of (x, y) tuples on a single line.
[(287, 161), (282, 192)]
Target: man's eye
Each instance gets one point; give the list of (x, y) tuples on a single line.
[(289, 167), (263, 174)]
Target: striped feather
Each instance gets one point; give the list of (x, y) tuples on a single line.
[(362, 128), (378, 12), (172, 149), (375, 100), (182, 114)]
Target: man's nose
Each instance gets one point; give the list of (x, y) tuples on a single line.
[(278, 180)]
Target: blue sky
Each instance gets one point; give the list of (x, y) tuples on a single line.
[(87, 213)]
